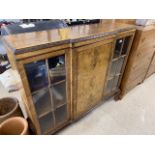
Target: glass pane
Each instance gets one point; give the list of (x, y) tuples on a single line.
[(115, 83), (57, 68), (109, 86), (46, 123), (61, 114), (126, 44), (59, 94), (37, 75), (119, 65), (112, 69), (42, 101), (118, 46)]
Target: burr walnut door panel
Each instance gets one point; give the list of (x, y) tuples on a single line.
[(89, 72)]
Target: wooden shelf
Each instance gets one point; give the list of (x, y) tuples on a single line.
[(57, 107), (52, 110), (45, 113), (111, 77), (121, 56), (56, 83), (46, 87), (34, 92), (46, 122)]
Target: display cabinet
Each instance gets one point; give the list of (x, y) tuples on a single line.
[(67, 72)]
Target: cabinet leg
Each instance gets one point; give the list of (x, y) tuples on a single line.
[(118, 96)]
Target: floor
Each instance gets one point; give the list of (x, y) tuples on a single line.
[(134, 114)]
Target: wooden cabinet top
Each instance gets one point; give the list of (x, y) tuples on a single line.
[(26, 42)]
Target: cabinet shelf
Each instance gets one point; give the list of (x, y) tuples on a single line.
[(59, 106), (116, 55), (36, 91), (61, 115), (56, 79), (42, 101), (121, 56), (53, 84), (59, 82), (59, 94), (111, 77), (51, 110), (45, 113), (46, 122), (57, 70)]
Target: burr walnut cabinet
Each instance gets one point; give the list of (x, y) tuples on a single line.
[(66, 72)]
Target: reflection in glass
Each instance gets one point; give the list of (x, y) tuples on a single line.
[(42, 101), (112, 69), (46, 123), (119, 65), (115, 82), (126, 44), (59, 94), (37, 75), (57, 68), (118, 46), (109, 86), (61, 114)]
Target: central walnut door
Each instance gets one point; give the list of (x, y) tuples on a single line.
[(90, 64)]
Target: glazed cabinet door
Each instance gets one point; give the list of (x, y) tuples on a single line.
[(118, 62), (47, 80), (90, 65)]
